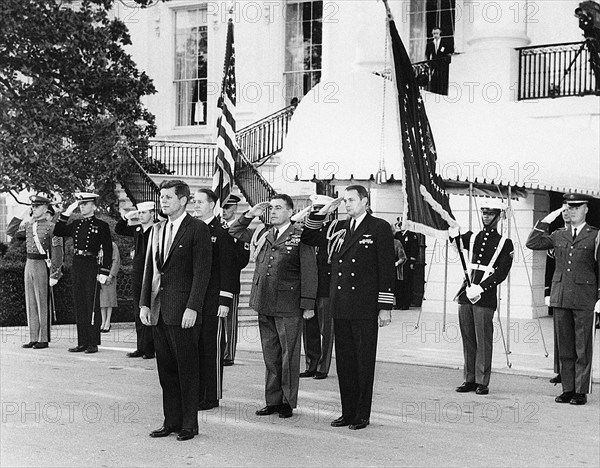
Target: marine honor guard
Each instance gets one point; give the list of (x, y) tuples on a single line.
[(92, 256), (575, 293), (42, 268), (490, 260)]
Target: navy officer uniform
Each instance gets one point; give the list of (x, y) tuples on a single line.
[(92, 257), (575, 294), (362, 284), (491, 256)]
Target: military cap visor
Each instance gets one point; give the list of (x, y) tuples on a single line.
[(37, 200), (576, 199), (83, 197), (232, 200)]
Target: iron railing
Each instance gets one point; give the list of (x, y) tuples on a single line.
[(556, 70), (264, 138), (185, 158), (138, 185)]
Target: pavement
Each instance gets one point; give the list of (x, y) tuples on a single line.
[(65, 409)]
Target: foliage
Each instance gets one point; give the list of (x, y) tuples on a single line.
[(69, 97)]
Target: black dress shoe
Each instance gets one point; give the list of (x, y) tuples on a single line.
[(228, 362), (31, 344), (286, 411), (136, 353), (564, 397), (148, 356), (556, 379), (340, 422), (269, 409), (359, 424), (91, 349), (320, 376), (164, 431), (467, 387), (308, 373), (40, 345), (187, 434), (207, 404), (482, 390), (78, 349), (579, 399)]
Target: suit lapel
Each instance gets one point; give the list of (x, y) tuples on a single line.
[(180, 232), (284, 235), (360, 230)]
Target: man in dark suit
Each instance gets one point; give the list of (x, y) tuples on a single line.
[(283, 292), (218, 302), (176, 278), (141, 234), (404, 289), (438, 51), (575, 294), (361, 253)]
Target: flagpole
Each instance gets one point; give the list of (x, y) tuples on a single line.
[(445, 288), (508, 224)]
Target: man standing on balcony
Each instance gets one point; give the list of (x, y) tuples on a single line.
[(242, 257), (218, 302), (140, 233), (438, 51), (283, 292), (575, 294)]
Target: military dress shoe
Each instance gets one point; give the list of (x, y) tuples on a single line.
[(467, 387), (482, 390), (91, 349), (359, 424), (187, 434), (78, 349), (286, 411), (31, 344), (164, 431), (565, 397), (579, 399), (556, 379), (320, 376), (148, 356), (134, 354), (40, 345), (307, 373), (269, 409), (228, 362), (340, 422), (207, 404)]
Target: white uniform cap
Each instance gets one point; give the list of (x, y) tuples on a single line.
[(83, 197), (492, 204), (320, 199), (145, 206)]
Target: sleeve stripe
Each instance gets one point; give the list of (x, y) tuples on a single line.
[(313, 223), (386, 298), (226, 294)]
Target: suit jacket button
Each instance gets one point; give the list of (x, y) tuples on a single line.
[(339, 287)]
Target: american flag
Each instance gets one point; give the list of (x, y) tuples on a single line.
[(227, 145), (426, 203)]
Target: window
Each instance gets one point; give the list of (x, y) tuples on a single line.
[(423, 17), (191, 66), (303, 43)]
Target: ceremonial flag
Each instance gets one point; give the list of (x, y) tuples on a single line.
[(426, 203), (227, 145)]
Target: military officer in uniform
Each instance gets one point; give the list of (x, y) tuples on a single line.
[(141, 233), (241, 258), (575, 294), (42, 268), (284, 288), (218, 301), (490, 260), (92, 256), (404, 287), (361, 252)]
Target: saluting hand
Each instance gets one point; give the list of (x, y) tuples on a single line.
[(189, 318), (71, 208), (552, 216), (258, 209), (331, 206)]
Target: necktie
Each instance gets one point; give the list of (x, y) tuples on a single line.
[(169, 241), (574, 233), (276, 234), (352, 226)]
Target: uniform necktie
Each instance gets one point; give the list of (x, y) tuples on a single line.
[(574, 233), (352, 226), (169, 241), (276, 234)]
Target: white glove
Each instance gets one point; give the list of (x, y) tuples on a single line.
[(71, 208), (473, 293), (308, 314), (552, 216), (597, 307), (53, 282), (547, 301), (301, 214), (102, 279), (454, 231)]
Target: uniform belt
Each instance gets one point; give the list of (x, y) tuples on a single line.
[(83, 253), (35, 256)]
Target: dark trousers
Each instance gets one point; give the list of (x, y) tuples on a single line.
[(355, 351), (211, 346), (145, 342), (86, 300), (317, 334), (231, 329), (556, 352), (404, 289), (280, 340), (177, 362), (477, 331), (575, 329)]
